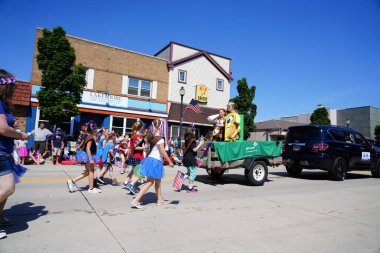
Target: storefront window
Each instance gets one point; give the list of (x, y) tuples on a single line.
[(175, 132), (65, 125), (122, 125)]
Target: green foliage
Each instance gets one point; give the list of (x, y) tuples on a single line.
[(320, 117), (62, 81), (377, 135), (245, 105)]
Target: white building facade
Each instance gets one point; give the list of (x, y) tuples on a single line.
[(206, 78)]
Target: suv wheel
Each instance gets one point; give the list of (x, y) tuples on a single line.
[(376, 172), (294, 171), (338, 171)]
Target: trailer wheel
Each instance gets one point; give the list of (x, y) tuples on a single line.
[(258, 174), (216, 172)]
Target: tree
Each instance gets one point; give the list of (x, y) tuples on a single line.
[(377, 135), (245, 105), (320, 116), (62, 81)]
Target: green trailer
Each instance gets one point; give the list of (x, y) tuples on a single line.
[(253, 156)]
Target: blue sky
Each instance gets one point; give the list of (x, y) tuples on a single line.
[(298, 53)]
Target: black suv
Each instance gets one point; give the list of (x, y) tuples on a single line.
[(331, 148)]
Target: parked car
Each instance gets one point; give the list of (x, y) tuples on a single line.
[(331, 148)]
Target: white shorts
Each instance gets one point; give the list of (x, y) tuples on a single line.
[(56, 151)]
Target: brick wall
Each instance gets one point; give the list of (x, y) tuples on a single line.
[(20, 113), (110, 64)]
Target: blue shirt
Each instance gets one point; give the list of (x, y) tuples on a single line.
[(57, 140), (6, 143)]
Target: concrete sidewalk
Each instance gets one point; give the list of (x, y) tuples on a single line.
[(307, 214)]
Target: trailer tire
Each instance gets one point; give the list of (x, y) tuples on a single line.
[(258, 174), (215, 174)]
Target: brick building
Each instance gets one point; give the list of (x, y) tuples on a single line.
[(122, 86), (21, 103)]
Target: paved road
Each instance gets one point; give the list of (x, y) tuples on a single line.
[(308, 214)]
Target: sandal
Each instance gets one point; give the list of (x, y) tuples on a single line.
[(164, 202), (136, 205)]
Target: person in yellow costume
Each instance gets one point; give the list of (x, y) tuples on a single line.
[(232, 123)]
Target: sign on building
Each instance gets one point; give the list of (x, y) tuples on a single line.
[(202, 93)]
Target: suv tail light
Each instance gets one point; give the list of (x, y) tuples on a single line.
[(319, 147)]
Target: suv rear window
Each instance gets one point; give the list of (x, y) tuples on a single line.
[(337, 134), (303, 133)]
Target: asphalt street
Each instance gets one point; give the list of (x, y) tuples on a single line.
[(306, 214)]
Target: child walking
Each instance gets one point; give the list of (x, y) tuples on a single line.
[(152, 167), (137, 149), (189, 157), (89, 146)]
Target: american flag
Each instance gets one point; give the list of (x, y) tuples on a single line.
[(178, 180), (194, 106)]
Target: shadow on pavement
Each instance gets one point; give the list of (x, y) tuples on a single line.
[(319, 175), (21, 214), (225, 179)]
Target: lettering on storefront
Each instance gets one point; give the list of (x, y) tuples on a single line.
[(104, 99)]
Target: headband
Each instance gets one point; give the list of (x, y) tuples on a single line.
[(90, 125), (7, 80)]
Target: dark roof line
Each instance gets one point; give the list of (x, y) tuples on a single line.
[(208, 57)]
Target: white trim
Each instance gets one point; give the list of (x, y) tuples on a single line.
[(71, 125), (37, 118), (124, 85), (154, 89), (90, 79)]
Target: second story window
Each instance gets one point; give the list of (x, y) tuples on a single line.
[(182, 76), (219, 84), (138, 87)]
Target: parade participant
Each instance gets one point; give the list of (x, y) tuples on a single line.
[(218, 121), (152, 167), (99, 152), (136, 155), (107, 157), (7, 136), (57, 145), (89, 146), (232, 124), (189, 157), (40, 134), (123, 151)]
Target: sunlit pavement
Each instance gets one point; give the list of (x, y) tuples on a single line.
[(306, 214)]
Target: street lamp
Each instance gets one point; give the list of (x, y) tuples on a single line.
[(181, 93), (348, 122)]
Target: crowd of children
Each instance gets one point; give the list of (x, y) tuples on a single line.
[(142, 155)]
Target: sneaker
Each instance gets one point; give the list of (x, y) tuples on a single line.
[(4, 222), (125, 183), (101, 180), (136, 205), (70, 185), (192, 190), (94, 190), (132, 188), (3, 234)]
